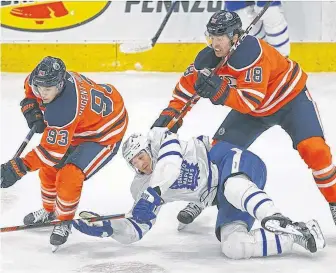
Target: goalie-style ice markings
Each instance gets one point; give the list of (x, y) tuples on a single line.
[(122, 267)]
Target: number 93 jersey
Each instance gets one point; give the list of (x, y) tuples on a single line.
[(83, 112)]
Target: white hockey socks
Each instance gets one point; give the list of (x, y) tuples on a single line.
[(276, 28), (238, 243), (246, 15), (246, 196)]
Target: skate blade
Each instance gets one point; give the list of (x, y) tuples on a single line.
[(274, 226), (316, 231), (181, 226), (54, 248)]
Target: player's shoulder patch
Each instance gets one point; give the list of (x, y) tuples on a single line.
[(62, 110), (206, 58), (190, 69), (246, 54)]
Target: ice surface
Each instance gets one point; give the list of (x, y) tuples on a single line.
[(164, 249)]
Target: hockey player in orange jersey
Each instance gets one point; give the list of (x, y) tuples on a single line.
[(82, 125), (264, 89)]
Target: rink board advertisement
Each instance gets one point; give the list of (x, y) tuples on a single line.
[(87, 34)]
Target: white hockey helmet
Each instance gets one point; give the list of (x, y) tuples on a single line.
[(133, 145)]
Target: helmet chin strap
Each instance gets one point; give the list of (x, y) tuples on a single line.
[(151, 158), (149, 151), (151, 163)]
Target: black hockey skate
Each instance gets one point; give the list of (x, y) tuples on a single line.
[(308, 235), (333, 211), (38, 217), (59, 235), (188, 215)]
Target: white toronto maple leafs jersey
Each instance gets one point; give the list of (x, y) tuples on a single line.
[(182, 170)]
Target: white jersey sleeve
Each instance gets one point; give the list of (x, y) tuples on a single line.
[(182, 170), (168, 160), (128, 230)]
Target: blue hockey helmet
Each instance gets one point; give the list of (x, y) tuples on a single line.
[(49, 72), (224, 22)]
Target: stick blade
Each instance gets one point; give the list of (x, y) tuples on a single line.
[(135, 47)]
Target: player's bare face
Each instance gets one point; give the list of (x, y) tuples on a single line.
[(47, 93), (142, 162), (221, 45)]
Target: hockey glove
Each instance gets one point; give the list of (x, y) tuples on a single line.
[(211, 87), (165, 117), (97, 229), (33, 114), (144, 210), (12, 171)]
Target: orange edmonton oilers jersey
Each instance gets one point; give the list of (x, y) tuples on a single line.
[(261, 80), (84, 111)]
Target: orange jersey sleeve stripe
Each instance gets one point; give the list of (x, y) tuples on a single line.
[(48, 155), (249, 100), (189, 91), (183, 92), (34, 161), (180, 95), (236, 100), (253, 93), (45, 160), (186, 84)]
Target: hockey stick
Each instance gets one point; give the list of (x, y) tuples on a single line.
[(144, 46), (220, 64), (25, 141), (58, 222)]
